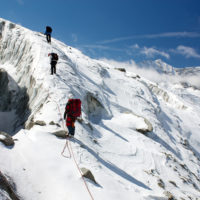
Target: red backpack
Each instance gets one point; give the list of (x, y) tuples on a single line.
[(74, 107)]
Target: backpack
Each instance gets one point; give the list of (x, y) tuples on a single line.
[(54, 56), (74, 107), (48, 29)]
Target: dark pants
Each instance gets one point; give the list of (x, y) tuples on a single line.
[(53, 67), (48, 36), (71, 130)]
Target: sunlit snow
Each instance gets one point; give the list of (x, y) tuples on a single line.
[(126, 164)]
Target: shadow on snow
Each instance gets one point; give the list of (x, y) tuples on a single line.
[(112, 167)]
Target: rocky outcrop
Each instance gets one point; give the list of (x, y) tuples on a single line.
[(6, 139), (7, 191), (161, 183), (149, 127), (88, 174), (2, 24), (22, 93), (40, 123), (121, 69), (60, 134), (95, 109), (167, 97), (53, 123), (144, 126), (29, 124), (169, 195)]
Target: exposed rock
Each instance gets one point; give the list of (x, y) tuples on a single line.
[(2, 24), (161, 183), (167, 97), (137, 76), (29, 124), (6, 139), (95, 141), (40, 123), (173, 183), (11, 26), (121, 69), (53, 123), (5, 185), (88, 174), (132, 75), (146, 130), (152, 172), (61, 133), (169, 195), (94, 108), (185, 143)]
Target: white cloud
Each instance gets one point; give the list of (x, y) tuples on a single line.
[(188, 52), (101, 47), (126, 64), (152, 52), (192, 80), (152, 75), (131, 50), (135, 46), (173, 34), (116, 40), (131, 66), (183, 34), (149, 52)]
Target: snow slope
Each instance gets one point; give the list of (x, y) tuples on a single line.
[(115, 104)]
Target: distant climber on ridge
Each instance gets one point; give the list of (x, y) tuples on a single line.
[(54, 60), (48, 33), (72, 111)]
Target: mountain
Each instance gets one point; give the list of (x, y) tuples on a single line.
[(138, 137), (192, 71), (159, 66)]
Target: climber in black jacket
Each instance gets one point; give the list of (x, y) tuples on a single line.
[(54, 60)]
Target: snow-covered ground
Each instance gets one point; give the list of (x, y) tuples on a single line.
[(116, 104)]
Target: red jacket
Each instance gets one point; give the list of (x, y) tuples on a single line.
[(70, 119)]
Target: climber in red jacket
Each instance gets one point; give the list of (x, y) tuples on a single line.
[(72, 111)]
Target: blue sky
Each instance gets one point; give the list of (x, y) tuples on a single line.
[(121, 30)]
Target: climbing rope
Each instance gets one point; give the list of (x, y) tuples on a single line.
[(69, 146), (80, 172), (71, 153), (64, 128)]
